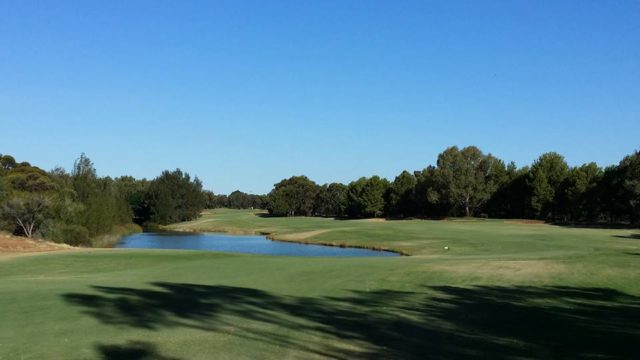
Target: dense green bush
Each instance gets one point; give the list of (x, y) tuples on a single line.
[(293, 196), (75, 235), (174, 197)]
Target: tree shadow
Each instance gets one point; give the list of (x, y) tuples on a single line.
[(170, 304), (134, 350), (265, 215), (630, 236), (438, 322), (593, 225)]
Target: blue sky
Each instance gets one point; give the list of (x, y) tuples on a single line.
[(245, 93)]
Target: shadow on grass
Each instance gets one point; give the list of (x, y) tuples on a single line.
[(630, 236), (264, 215), (135, 350), (596, 225), (436, 322)]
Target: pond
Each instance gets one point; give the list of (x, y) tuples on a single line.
[(249, 244)]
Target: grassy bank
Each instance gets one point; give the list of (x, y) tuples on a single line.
[(117, 232), (504, 290)]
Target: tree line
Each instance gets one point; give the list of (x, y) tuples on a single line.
[(468, 182), (235, 200), (78, 206)]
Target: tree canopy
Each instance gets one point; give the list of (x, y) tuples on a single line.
[(471, 183), (174, 197), (467, 178), (366, 197), (293, 196)]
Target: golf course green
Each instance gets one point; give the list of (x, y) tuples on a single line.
[(503, 290)]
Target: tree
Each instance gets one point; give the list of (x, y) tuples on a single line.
[(134, 193), (84, 178), (426, 195), (209, 199), (293, 196), (174, 197), (510, 198), (629, 172), (4, 190), (258, 201), (546, 175), (365, 197), (239, 200), (571, 199), (467, 177), (7, 163), (605, 200), (105, 208), (103, 199), (399, 198), (331, 200), (29, 179), (26, 211), (219, 201)]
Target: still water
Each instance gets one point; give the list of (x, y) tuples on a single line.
[(250, 244)]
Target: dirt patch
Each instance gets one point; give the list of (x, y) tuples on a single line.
[(230, 231), (14, 244), (302, 235), (524, 221), (375, 220)]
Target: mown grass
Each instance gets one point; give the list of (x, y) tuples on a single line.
[(466, 238), (502, 291)]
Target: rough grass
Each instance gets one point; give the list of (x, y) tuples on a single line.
[(117, 232), (503, 291)]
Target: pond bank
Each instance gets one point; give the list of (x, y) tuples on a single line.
[(116, 234)]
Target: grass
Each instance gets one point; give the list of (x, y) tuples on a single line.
[(466, 238), (504, 291), (117, 232)]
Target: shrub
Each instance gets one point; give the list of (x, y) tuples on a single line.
[(75, 235)]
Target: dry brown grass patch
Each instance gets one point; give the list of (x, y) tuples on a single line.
[(14, 244), (302, 235), (526, 222)]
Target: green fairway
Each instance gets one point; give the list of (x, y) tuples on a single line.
[(503, 290)]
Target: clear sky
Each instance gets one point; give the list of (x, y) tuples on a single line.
[(245, 93)]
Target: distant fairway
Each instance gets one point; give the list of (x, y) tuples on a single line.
[(467, 239), (504, 290)]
